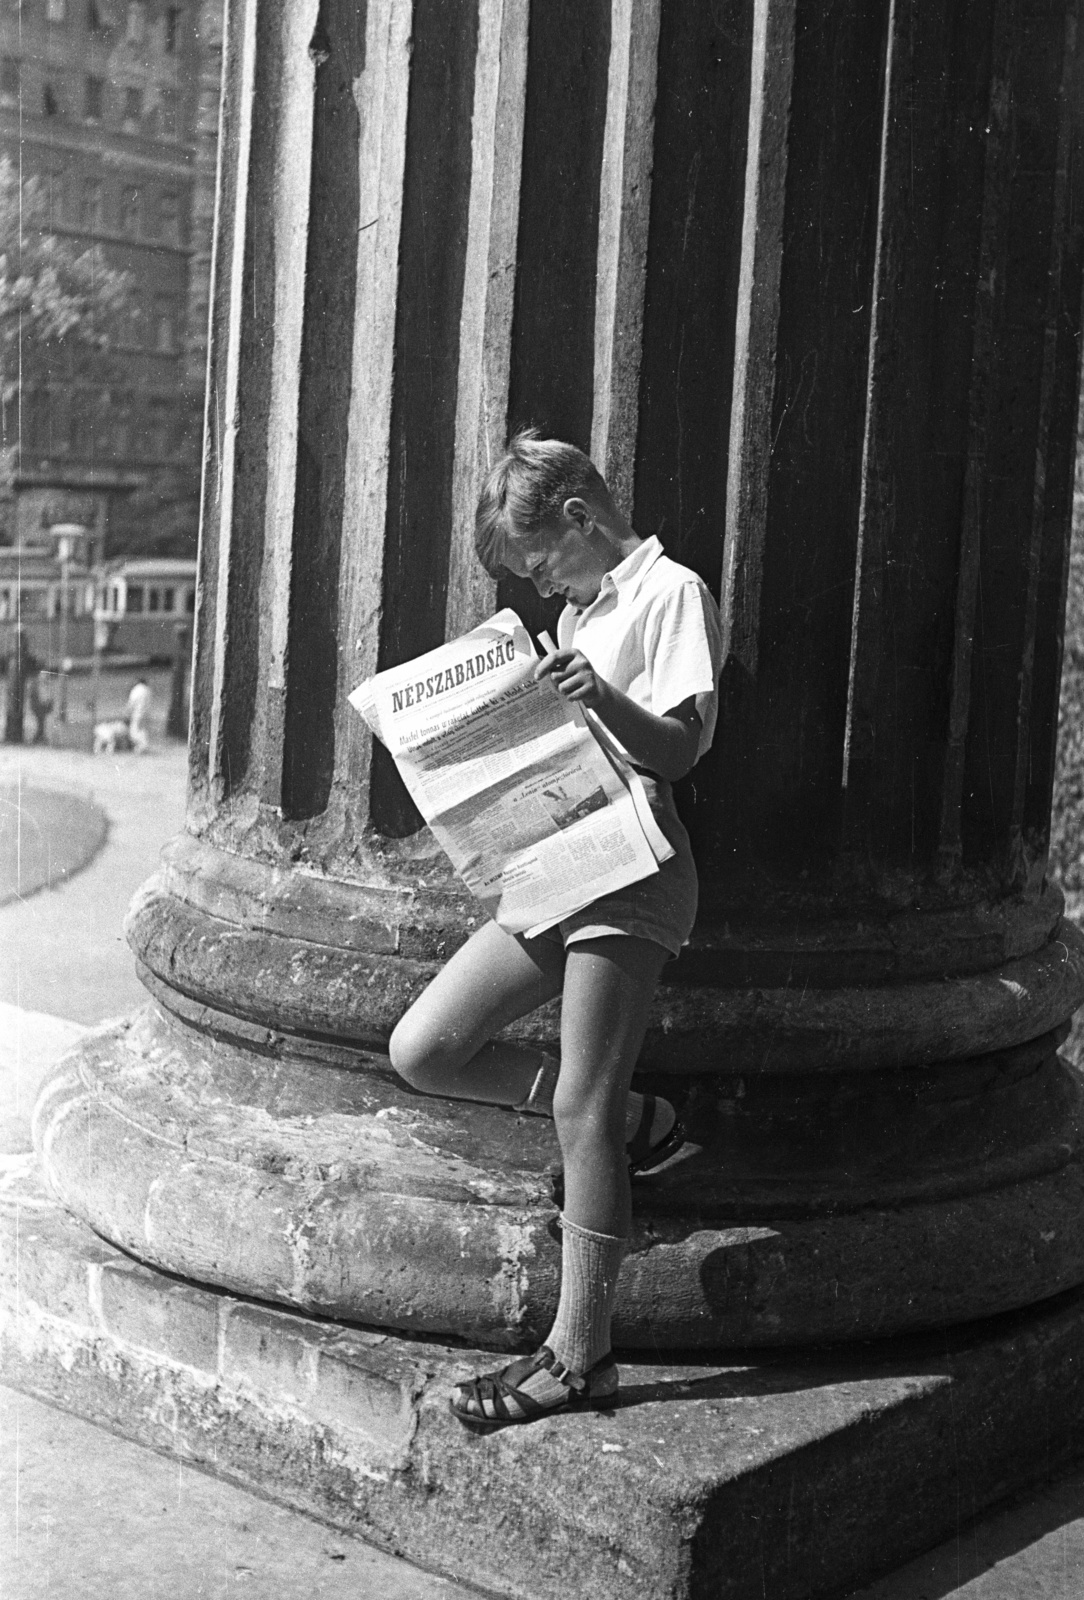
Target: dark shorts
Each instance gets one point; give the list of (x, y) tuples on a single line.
[(661, 908)]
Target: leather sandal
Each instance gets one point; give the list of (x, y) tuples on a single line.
[(643, 1156), (588, 1391)]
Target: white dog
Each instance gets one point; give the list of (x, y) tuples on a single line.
[(111, 737)]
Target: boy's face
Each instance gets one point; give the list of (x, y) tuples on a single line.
[(562, 560)]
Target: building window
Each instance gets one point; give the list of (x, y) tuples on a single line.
[(93, 99), (164, 329), (80, 430), (135, 598), (90, 205), (130, 199), (9, 81), (133, 109), (121, 432), (56, 10), (152, 217), (167, 113), (156, 435), (173, 28), (133, 321), (169, 212), (137, 22), (50, 105)]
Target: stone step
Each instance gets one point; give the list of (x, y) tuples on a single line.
[(729, 1478)]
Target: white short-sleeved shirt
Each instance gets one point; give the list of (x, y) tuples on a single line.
[(654, 632)]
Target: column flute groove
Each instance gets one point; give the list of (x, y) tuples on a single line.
[(485, 331), (381, 92), (293, 167), (226, 405), (624, 211), (757, 321)]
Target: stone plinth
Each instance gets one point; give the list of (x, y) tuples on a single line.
[(715, 1480), (808, 287)]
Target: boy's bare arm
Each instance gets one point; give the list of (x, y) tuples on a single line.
[(664, 744)]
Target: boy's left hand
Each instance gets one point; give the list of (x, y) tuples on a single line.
[(574, 677)]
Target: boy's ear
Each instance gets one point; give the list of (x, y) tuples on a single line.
[(578, 511)]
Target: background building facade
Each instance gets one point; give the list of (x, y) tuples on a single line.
[(100, 101)]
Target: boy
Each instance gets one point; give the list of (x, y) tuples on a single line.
[(639, 645)]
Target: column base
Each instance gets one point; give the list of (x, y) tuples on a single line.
[(802, 1211), (735, 1470)]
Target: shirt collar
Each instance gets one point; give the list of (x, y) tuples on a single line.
[(630, 573)]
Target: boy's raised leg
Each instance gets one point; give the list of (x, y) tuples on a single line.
[(444, 1044)]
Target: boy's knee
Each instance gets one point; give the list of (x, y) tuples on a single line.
[(407, 1051), (420, 1058), (579, 1116)]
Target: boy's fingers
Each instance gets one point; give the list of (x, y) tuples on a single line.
[(556, 661)]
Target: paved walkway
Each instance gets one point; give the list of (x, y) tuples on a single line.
[(83, 1514), (86, 1516)]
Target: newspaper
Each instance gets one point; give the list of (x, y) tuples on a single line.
[(536, 809)]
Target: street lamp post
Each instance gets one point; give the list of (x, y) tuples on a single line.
[(67, 535)]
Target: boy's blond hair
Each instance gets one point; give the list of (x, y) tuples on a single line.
[(527, 488)]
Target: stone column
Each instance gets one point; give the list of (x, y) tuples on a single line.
[(807, 281)]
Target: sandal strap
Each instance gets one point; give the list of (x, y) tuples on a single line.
[(499, 1387), (576, 1381), (660, 1152), (495, 1388)]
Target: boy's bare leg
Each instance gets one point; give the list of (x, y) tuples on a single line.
[(444, 1044), (608, 989)]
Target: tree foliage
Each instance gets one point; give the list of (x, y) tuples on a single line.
[(63, 308)]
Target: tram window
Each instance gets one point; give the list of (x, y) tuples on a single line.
[(135, 597)]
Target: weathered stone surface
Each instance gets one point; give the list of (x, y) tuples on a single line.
[(723, 1479), (866, 1205), (343, 961)]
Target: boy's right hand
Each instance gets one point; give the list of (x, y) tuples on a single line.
[(574, 677)]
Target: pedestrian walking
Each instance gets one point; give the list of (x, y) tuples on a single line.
[(138, 713)]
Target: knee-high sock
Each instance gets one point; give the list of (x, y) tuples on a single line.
[(590, 1263)]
